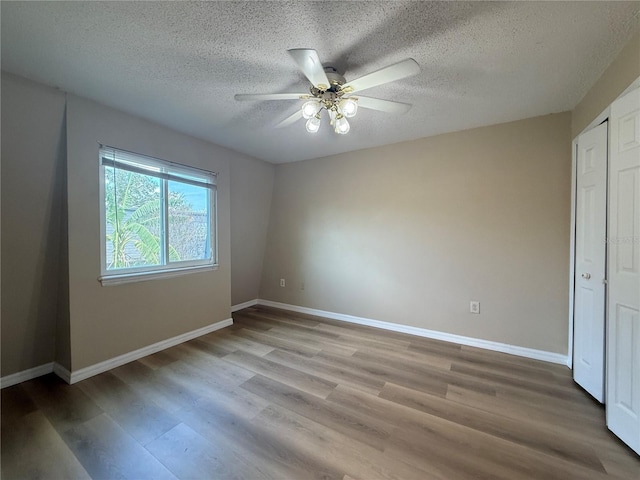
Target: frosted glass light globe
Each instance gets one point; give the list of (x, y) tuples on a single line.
[(349, 107), (313, 124), (342, 125), (310, 108)]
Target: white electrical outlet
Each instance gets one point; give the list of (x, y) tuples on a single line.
[(474, 306), (282, 282), (301, 285)]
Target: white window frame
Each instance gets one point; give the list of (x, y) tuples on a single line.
[(166, 171)]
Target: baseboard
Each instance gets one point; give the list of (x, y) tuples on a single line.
[(62, 372), (247, 304), (423, 332), (73, 377), (25, 375), (83, 373)]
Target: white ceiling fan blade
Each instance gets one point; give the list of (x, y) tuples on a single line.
[(289, 120), (394, 72), (309, 62), (388, 106), (241, 97)]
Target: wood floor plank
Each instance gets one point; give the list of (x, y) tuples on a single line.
[(523, 432), (187, 454), (421, 439), (470, 454), (364, 336), (573, 420), (274, 341), (552, 389), (291, 324), (379, 369), (225, 372), (140, 417), (32, 449), (454, 450), (107, 451), (266, 449), (351, 424), (329, 372), (282, 373), (317, 342), (565, 403), (16, 403), (411, 357), (159, 359), (343, 452), (285, 395), (294, 318), (202, 384), (234, 343), (252, 322), (509, 367), (345, 346), (148, 383), (64, 406), (435, 376), (211, 347), (224, 398), (468, 352)]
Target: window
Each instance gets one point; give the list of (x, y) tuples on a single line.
[(158, 218)]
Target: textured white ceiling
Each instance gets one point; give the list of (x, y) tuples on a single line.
[(180, 63)]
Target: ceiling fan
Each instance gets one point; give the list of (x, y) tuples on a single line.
[(331, 92)]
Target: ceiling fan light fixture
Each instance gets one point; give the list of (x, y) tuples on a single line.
[(310, 109), (330, 91), (349, 107), (332, 116), (313, 124), (342, 125)]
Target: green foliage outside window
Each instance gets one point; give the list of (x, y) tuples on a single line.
[(134, 224)]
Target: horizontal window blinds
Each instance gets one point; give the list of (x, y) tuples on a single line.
[(123, 160)]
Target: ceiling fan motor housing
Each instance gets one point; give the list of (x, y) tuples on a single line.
[(335, 79)]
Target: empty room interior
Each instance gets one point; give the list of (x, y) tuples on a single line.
[(337, 240)]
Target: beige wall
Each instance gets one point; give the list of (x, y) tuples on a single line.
[(623, 71), (32, 191), (110, 321), (407, 233), (251, 189), (53, 307), (410, 233)]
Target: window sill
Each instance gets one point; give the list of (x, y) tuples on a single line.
[(120, 278)]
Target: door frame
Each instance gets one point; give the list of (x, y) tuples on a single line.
[(604, 115)]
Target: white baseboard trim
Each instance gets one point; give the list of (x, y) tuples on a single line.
[(73, 377), (247, 304), (62, 372), (423, 332), (25, 375), (101, 367)]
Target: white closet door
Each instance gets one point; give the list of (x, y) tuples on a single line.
[(591, 225), (623, 332)]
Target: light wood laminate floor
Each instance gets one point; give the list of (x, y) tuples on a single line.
[(287, 396)]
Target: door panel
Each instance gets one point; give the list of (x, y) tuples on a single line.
[(623, 332), (589, 311)]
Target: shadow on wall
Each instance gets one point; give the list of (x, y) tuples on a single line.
[(48, 272)]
